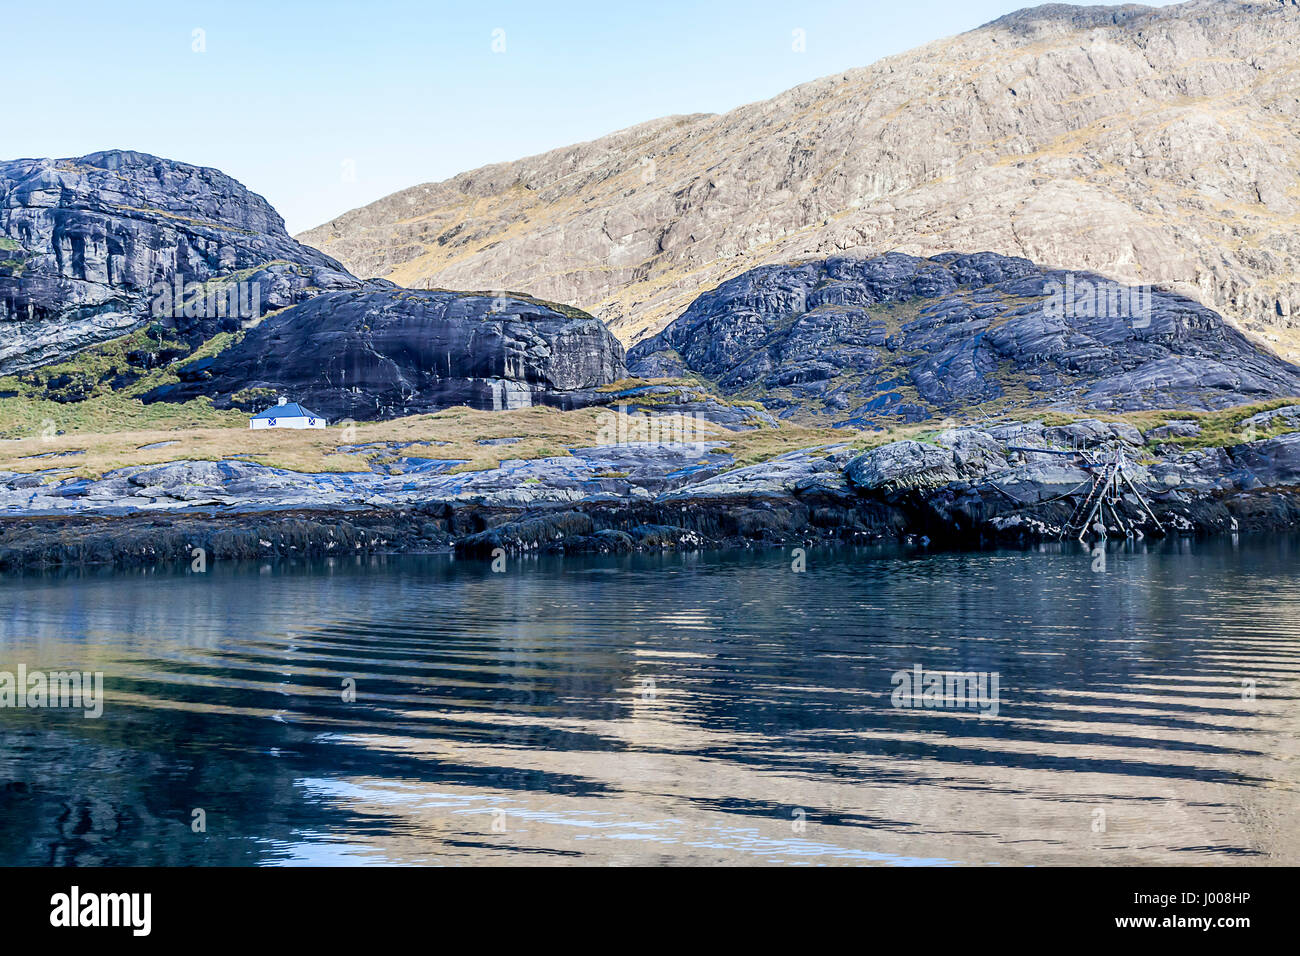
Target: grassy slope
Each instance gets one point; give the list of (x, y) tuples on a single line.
[(544, 432), (27, 410)]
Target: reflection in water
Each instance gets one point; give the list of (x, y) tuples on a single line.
[(664, 709)]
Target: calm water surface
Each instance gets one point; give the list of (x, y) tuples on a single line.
[(666, 709)]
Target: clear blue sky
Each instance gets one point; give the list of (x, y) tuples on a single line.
[(324, 106)]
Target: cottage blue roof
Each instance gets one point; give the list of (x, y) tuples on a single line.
[(287, 410)]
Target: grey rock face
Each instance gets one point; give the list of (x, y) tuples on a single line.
[(98, 246), (902, 465), (1154, 145), (858, 340), (1274, 463), (380, 353), (799, 472), (84, 242), (1088, 433)]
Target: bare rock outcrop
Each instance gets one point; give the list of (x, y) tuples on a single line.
[(902, 465), (85, 243), (385, 353), (94, 248), (860, 341)]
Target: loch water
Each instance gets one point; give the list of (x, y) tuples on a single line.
[(712, 707)]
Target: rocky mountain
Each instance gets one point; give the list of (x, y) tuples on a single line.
[(861, 340), (384, 353), (1153, 145), (98, 248), (85, 245)]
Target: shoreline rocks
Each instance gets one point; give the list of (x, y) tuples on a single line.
[(967, 488), (592, 528)]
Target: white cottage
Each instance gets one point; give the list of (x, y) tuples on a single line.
[(287, 414)]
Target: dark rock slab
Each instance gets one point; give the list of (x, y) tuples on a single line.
[(900, 338), (371, 354)]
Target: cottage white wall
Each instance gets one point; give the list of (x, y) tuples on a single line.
[(295, 422)]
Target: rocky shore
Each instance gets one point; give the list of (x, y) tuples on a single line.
[(961, 487)]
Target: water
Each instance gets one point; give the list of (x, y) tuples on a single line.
[(706, 708)]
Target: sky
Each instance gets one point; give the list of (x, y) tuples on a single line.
[(325, 106)]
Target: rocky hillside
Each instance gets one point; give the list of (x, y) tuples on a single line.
[(897, 337), (127, 275), (85, 242), (385, 353), (1156, 146)]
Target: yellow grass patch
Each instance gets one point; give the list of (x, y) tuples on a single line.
[(543, 432)]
